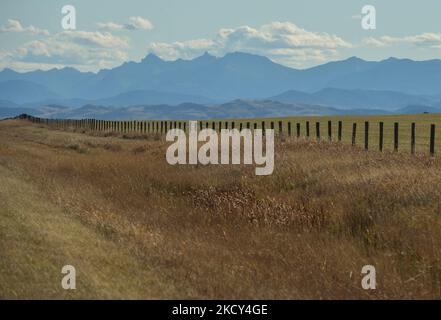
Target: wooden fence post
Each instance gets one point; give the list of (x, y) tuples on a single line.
[(317, 130), (307, 129), (298, 130), (366, 135), (432, 139), (240, 127), (263, 127), (289, 128), (381, 136), (330, 130), (396, 136), (280, 127), (412, 138), (354, 133), (340, 128)]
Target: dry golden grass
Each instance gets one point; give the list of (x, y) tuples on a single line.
[(214, 231)]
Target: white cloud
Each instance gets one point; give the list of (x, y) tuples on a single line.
[(281, 41), (135, 23), (16, 26), (424, 40), (82, 49)]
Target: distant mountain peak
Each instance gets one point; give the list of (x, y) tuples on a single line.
[(206, 54), (205, 57), (354, 59), (8, 71), (151, 57)]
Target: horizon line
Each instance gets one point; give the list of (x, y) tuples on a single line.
[(206, 53)]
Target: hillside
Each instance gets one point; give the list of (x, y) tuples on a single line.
[(234, 109)]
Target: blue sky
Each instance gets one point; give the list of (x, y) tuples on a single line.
[(296, 33)]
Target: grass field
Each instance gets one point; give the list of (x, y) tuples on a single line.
[(136, 227)]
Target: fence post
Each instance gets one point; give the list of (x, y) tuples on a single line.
[(298, 130), (289, 128), (280, 127), (412, 138), (366, 135), (330, 130), (317, 130), (248, 125), (340, 125), (396, 136), (354, 132), (272, 125), (263, 127), (240, 127), (381, 136), (432, 139), (307, 129)]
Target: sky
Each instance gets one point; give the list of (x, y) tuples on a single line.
[(295, 33)]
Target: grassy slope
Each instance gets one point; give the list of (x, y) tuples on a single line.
[(37, 238), (137, 227)]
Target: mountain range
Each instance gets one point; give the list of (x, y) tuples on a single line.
[(353, 84)]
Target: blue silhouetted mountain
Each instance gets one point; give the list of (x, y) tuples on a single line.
[(149, 97), (65, 82), (20, 91), (235, 109), (403, 75), (391, 83), (232, 76), (348, 99)]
